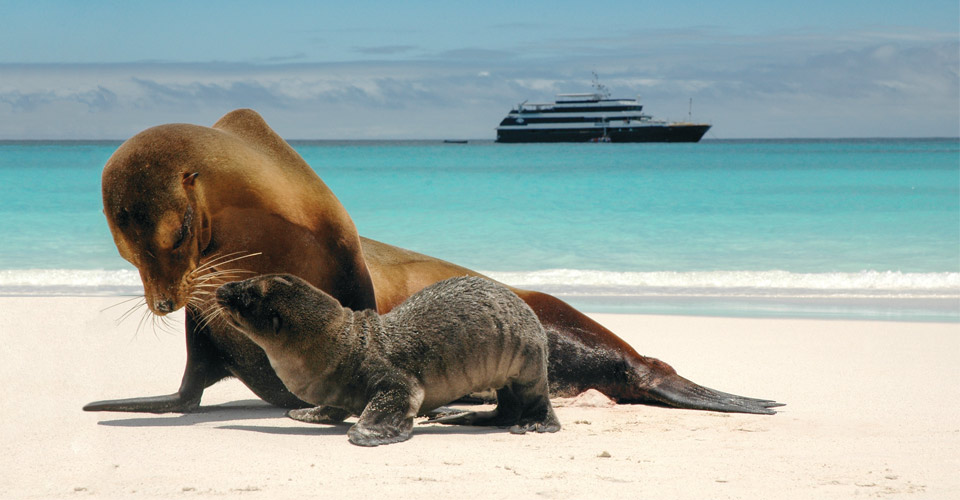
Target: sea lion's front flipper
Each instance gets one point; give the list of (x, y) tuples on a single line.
[(202, 370), (171, 403), (678, 392)]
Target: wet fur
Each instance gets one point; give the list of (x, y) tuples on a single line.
[(452, 338)]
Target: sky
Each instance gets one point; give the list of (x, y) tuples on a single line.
[(437, 70)]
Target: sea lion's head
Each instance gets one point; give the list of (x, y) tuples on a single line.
[(153, 201), (272, 307)]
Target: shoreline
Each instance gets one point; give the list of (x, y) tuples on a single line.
[(866, 295), (944, 310), (870, 411)]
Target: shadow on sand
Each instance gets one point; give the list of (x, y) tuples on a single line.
[(341, 429), (255, 409), (251, 409)]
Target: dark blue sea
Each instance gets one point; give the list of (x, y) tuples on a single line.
[(785, 228)]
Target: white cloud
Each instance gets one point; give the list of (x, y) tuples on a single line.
[(760, 87)]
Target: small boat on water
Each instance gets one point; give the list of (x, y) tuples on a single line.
[(592, 117)]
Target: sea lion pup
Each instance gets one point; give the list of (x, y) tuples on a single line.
[(455, 337), (185, 202)]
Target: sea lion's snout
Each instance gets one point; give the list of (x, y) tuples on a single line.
[(164, 306)]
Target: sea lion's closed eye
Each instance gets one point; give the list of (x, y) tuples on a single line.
[(277, 323)]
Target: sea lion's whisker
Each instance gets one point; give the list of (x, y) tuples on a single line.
[(153, 326), (222, 277), (208, 274), (122, 302), (206, 321), (143, 318), (229, 274), (167, 325), (208, 287), (213, 261), (212, 313), (208, 265), (133, 309)]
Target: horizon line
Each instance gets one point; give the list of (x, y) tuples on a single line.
[(441, 139)]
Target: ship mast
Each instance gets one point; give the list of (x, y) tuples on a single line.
[(601, 88)]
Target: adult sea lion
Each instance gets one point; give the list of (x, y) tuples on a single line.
[(454, 337), (183, 202)]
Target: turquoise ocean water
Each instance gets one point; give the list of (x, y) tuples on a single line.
[(833, 228)]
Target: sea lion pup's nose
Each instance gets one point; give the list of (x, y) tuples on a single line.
[(226, 292), (223, 292)]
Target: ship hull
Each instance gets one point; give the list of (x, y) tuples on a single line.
[(664, 133)]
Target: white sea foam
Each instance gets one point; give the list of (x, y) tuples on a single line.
[(69, 282), (573, 282)]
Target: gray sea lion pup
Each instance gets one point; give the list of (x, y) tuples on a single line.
[(452, 338)]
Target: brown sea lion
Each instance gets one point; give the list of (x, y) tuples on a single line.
[(452, 338), (183, 200)]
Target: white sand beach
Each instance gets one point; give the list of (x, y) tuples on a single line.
[(873, 410)]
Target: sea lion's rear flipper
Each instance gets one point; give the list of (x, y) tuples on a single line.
[(677, 392), (585, 355)]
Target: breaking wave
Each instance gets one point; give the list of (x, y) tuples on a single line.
[(69, 282), (573, 282)]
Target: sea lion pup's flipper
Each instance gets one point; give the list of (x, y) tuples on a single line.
[(519, 414), (319, 415), (387, 418)]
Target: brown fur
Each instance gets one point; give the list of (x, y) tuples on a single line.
[(247, 191)]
